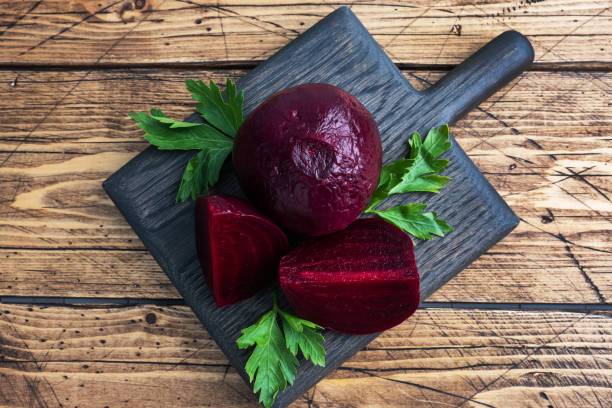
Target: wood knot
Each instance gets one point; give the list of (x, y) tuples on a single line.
[(126, 11), (151, 318), (456, 29), (130, 10)]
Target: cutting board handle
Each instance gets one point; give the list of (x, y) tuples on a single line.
[(482, 74)]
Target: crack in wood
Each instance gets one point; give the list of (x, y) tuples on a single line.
[(20, 17), (570, 176), (520, 162), (580, 177), (584, 273), (418, 369), (419, 386), (515, 365), (134, 362), (32, 384), (66, 29), (246, 19), (413, 20), (448, 35), (222, 31)]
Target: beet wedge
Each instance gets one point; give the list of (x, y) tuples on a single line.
[(239, 248), (359, 280)]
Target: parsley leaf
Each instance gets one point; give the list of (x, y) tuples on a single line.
[(423, 164), (213, 139), (226, 115), (303, 335), (417, 173), (390, 175), (202, 172), (161, 117), (165, 136), (271, 366), (411, 219), (437, 141), (273, 363)]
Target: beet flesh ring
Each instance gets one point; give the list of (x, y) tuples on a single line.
[(360, 280), (238, 247), (309, 156)]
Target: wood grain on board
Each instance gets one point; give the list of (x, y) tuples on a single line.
[(543, 142), (570, 33), (138, 356)]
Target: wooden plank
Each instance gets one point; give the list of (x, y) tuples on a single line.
[(574, 33), (145, 355), (52, 200), (83, 273)]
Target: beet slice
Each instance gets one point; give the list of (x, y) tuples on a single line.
[(239, 248), (310, 157), (359, 280)]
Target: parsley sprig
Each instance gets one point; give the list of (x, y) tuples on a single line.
[(213, 139), (420, 172), (273, 363)]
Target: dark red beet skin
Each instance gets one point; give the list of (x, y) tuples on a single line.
[(359, 280), (239, 248), (309, 156)]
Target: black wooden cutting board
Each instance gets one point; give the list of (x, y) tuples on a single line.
[(337, 50)]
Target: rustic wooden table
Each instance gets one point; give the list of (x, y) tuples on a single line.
[(88, 319)]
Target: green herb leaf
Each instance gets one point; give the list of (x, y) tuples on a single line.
[(303, 335), (437, 141), (411, 219), (429, 183), (420, 165), (273, 363), (165, 136), (224, 114), (201, 173), (214, 142), (417, 173), (390, 175), (187, 187), (161, 117), (271, 366)]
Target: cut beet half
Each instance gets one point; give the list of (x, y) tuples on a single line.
[(360, 280), (239, 248)]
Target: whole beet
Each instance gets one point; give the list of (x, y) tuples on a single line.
[(310, 156)]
